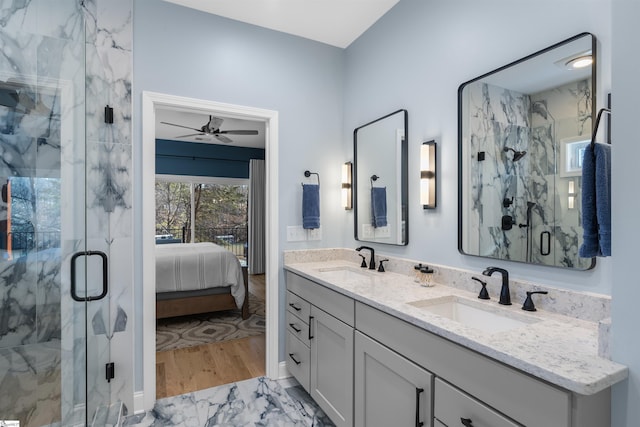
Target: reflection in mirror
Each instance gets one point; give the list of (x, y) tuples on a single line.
[(380, 180), (522, 132)]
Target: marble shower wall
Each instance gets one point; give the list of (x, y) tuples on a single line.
[(537, 124), (54, 128)]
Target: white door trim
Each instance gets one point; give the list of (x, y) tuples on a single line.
[(151, 101)]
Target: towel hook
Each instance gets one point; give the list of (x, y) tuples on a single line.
[(373, 178), (595, 128), (308, 174)]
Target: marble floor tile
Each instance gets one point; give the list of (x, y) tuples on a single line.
[(255, 402)]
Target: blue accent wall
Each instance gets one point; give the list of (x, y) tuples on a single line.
[(196, 159)]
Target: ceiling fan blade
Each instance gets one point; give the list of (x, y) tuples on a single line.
[(191, 134), (223, 138), (180, 126), (239, 132)]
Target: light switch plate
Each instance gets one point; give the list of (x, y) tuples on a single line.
[(314, 234), (295, 233)]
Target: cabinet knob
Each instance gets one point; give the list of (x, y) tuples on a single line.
[(466, 422)]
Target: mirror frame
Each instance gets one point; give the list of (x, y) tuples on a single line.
[(404, 179), (460, 136)]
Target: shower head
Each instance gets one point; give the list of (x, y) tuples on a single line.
[(517, 155)]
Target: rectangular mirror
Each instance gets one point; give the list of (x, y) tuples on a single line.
[(521, 132), (380, 180)]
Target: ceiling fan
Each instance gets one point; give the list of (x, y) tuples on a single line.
[(212, 127)]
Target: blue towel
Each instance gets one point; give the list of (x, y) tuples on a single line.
[(310, 206), (379, 206), (596, 201)]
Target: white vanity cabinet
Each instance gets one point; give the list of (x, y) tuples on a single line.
[(390, 390), (330, 347), (365, 367)]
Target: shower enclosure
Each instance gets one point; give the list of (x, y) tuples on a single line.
[(61, 188)]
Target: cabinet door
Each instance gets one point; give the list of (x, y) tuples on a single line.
[(332, 366), (389, 389)]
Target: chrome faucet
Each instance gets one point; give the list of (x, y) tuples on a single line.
[(505, 296), (372, 261)]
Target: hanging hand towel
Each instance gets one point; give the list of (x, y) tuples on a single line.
[(310, 206), (379, 206), (596, 201)]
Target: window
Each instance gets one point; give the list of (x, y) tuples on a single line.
[(217, 208)]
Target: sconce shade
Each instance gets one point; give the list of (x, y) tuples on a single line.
[(347, 197), (428, 175)]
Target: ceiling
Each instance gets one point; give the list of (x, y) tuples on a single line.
[(195, 121), (334, 22)]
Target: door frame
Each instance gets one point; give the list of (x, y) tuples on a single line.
[(150, 102)]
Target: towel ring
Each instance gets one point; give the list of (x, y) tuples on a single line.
[(308, 174), (595, 128), (373, 178)]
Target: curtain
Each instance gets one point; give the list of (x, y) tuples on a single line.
[(256, 248)]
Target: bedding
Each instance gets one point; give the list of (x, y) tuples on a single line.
[(197, 266)]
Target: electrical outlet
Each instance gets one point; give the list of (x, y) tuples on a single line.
[(367, 231), (383, 231), (314, 234), (295, 233)]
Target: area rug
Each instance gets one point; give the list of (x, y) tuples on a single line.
[(199, 329)]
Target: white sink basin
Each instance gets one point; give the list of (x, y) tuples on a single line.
[(474, 314), (343, 274)]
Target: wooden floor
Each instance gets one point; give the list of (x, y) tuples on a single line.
[(196, 368)]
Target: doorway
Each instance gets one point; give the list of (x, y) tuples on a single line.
[(151, 103)]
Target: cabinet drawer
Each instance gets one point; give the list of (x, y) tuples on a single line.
[(332, 302), (451, 406), (298, 358), (298, 327), (298, 306)]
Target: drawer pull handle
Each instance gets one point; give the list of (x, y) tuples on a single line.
[(419, 391), (466, 422), (295, 328), (295, 307), (294, 359)]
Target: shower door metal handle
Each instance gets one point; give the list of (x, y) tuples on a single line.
[(105, 278), (543, 235)]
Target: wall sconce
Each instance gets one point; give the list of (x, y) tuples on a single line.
[(347, 197), (428, 175), (571, 201)]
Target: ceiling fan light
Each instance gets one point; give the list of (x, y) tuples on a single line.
[(579, 62)]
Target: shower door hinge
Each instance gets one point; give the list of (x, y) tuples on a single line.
[(110, 371), (108, 114)]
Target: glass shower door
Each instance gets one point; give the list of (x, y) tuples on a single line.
[(55, 325)]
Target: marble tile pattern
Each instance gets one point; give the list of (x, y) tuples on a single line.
[(559, 348), (255, 402), (537, 124), (69, 59)]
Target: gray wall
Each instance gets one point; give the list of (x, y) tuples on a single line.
[(415, 57), (208, 57), (626, 205)]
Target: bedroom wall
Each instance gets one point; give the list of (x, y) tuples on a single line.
[(212, 58), (196, 159)]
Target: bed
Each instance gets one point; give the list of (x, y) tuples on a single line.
[(193, 278)]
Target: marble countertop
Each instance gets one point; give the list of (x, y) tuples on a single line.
[(559, 349)]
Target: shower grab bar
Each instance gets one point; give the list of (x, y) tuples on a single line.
[(105, 278)]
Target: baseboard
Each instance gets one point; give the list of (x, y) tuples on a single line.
[(138, 402), (282, 371)]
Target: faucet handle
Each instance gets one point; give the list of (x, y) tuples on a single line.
[(528, 302), (364, 262), (381, 267), (484, 294)]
